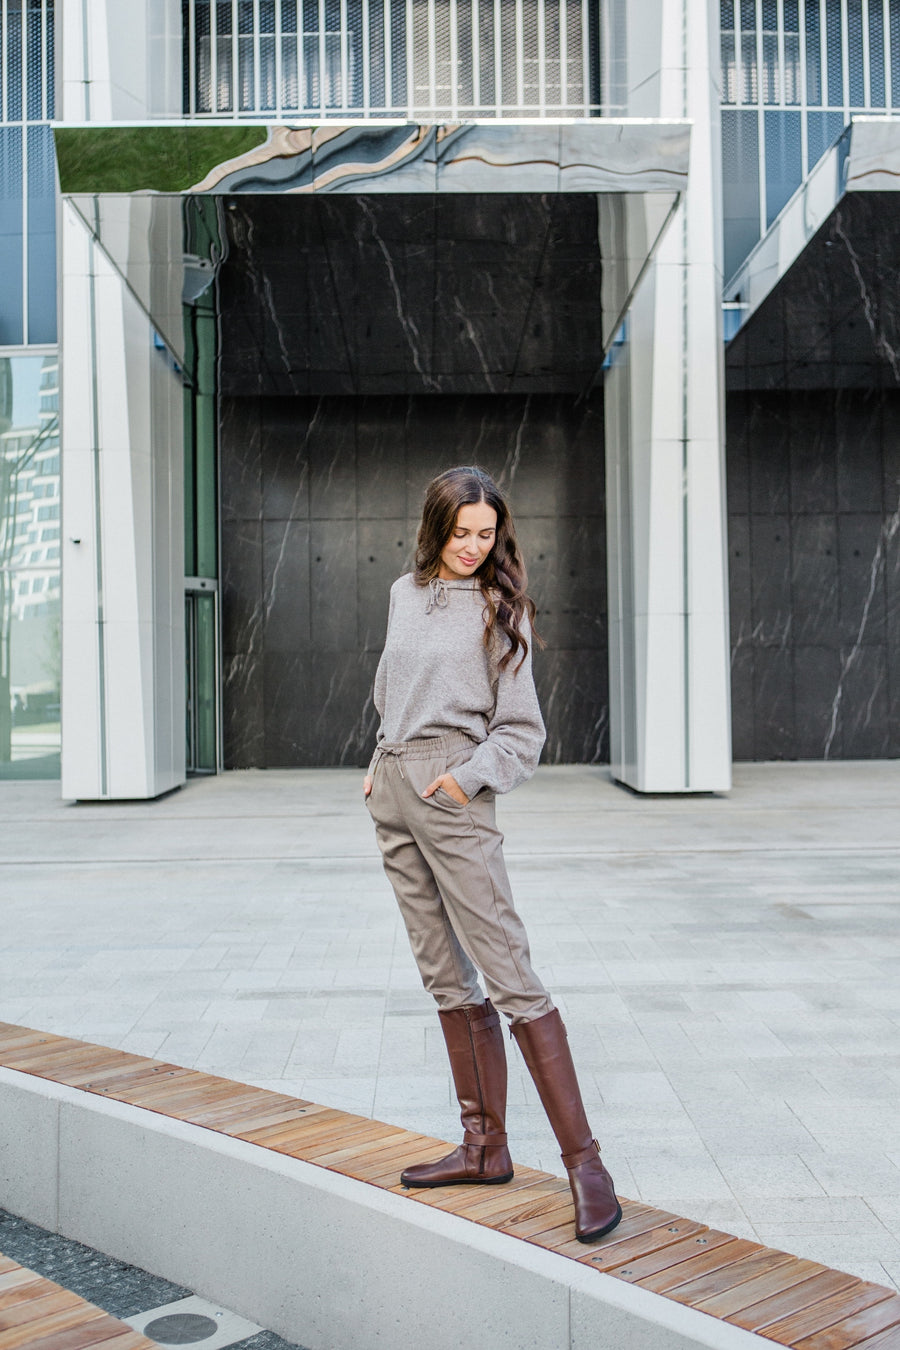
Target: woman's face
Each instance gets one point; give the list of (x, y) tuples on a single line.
[(470, 542)]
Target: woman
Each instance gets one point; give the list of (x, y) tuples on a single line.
[(460, 722)]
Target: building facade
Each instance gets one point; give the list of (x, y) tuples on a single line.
[(311, 253)]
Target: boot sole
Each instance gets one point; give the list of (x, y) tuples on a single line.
[(463, 1181), (601, 1232)]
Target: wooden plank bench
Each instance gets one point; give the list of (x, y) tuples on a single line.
[(790, 1301), (36, 1314)]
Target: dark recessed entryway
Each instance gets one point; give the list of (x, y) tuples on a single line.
[(365, 345)]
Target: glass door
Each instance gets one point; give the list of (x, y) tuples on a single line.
[(201, 645), (201, 552)]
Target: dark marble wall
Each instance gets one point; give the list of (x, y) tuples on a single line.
[(407, 294), (320, 500), (814, 537)]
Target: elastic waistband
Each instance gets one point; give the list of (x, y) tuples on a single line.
[(426, 747)]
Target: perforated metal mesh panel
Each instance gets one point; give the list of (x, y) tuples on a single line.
[(826, 59), (27, 174), (392, 58)]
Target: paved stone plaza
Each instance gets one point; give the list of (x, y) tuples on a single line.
[(729, 969)]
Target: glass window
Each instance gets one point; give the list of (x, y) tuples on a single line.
[(11, 234), (813, 54), (377, 70), (202, 57), (822, 130), (791, 51), (13, 62), (835, 71), (783, 165), (34, 64), (729, 68), (740, 186), (50, 38), (771, 83), (895, 53), (748, 52), (855, 73), (41, 236), (876, 55), (29, 586), (469, 57)]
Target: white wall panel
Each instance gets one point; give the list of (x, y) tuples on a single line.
[(123, 638), (119, 66)]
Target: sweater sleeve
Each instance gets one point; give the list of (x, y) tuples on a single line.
[(515, 733)]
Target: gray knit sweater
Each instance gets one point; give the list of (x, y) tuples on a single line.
[(436, 675)]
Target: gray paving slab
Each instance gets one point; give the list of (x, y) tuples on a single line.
[(729, 968)]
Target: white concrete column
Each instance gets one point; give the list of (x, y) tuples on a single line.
[(123, 537), (119, 62), (670, 712), (123, 699)]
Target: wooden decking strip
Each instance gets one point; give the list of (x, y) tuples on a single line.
[(790, 1301), (36, 1314)]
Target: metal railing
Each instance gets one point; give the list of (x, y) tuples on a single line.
[(418, 59)]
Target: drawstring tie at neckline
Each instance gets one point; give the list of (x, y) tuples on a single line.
[(437, 594)]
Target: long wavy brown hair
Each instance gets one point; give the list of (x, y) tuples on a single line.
[(502, 576)]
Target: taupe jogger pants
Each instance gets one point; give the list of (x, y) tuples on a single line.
[(445, 863)]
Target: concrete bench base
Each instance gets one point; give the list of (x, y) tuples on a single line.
[(322, 1259)]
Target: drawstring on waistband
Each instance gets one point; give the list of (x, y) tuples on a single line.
[(422, 747), (437, 594), (382, 750)]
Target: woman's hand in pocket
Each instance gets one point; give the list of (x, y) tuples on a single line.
[(367, 785), (450, 786)]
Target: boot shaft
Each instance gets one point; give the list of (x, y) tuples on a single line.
[(474, 1040), (545, 1049)]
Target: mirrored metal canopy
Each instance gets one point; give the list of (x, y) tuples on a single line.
[(129, 183)]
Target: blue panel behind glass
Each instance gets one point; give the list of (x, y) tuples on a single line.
[(813, 54), (34, 88), (856, 78), (835, 71), (41, 236), (398, 54), (11, 319), (822, 130), (784, 168), (11, 332), (740, 186), (876, 56), (51, 61), (14, 65)]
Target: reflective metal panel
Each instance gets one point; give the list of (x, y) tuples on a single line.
[(599, 156)]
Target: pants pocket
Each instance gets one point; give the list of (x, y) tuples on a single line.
[(422, 773), (441, 797)]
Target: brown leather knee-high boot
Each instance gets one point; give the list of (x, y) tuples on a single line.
[(478, 1063), (545, 1049)]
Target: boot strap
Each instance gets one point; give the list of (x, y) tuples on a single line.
[(583, 1155), (484, 1140), (491, 1019)]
